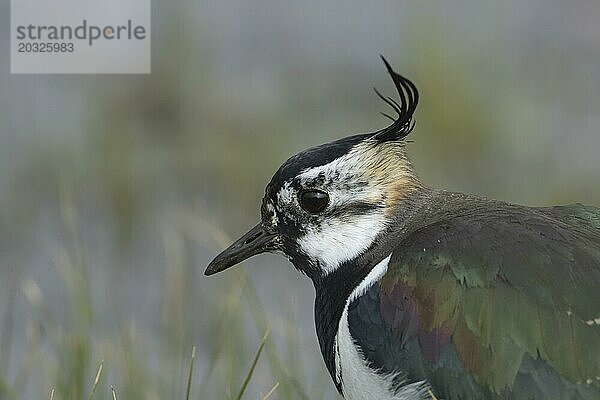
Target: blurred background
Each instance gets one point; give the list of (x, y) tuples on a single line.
[(116, 191)]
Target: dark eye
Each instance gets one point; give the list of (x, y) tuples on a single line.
[(314, 201)]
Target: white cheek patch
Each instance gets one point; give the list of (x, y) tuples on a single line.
[(368, 175), (336, 239), (335, 242)]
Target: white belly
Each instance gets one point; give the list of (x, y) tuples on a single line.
[(359, 382)]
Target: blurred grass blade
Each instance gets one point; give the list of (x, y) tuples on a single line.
[(258, 310), (253, 366), (189, 382), (270, 392), (97, 379), (6, 334), (113, 393), (432, 395), (52, 394)]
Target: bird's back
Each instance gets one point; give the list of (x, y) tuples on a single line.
[(489, 300)]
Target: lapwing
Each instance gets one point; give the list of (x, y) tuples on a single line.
[(421, 292)]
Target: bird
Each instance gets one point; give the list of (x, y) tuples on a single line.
[(422, 293)]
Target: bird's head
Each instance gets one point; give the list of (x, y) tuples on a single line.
[(327, 205)]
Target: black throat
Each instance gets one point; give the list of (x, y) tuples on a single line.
[(332, 293)]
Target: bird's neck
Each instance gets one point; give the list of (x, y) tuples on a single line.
[(334, 289), (332, 293)]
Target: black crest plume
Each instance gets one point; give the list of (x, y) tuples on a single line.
[(409, 98)]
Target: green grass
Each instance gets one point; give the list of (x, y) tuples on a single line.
[(74, 355), (239, 396), (189, 382), (252, 367), (97, 379)]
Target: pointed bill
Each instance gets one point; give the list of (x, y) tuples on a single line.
[(255, 241)]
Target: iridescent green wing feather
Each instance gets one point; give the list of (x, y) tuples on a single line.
[(497, 301)]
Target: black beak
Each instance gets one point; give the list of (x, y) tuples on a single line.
[(254, 242)]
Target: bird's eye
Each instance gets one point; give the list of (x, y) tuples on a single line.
[(313, 201)]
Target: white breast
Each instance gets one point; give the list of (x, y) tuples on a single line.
[(359, 382)]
